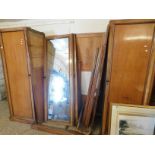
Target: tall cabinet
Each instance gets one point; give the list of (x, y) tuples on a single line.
[(131, 61), (23, 60)]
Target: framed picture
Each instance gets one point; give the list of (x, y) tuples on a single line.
[(132, 120)]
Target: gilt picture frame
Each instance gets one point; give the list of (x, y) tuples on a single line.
[(132, 120)]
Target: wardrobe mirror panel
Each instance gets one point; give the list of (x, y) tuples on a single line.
[(58, 91)]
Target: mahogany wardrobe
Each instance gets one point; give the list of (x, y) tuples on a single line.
[(22, 52), (131, 65)]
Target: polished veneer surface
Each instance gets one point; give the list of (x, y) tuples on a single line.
[(130, 61), (23, 60), (130, 65)]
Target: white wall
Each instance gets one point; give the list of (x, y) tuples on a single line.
[(50, 27)]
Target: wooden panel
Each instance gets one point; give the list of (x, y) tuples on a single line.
[(36, 46), (132, 21), (55, 130), (50, 53), (94, 89), (87, 45), (131, 53), (17, 74), (152, 102), (153, 92)]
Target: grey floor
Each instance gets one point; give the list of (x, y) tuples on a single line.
[(8, 127)]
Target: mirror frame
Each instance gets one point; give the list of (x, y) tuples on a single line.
[(72, 81)]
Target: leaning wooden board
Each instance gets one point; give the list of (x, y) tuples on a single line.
[(131, 60)]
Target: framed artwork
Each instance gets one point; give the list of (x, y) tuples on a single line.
[(132, 120)]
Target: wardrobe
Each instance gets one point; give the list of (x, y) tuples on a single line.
[(23, 61), (130, 65)]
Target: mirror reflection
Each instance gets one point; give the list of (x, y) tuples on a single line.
[(58, 80)]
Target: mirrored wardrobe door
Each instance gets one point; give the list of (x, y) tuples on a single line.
[(60, 82)]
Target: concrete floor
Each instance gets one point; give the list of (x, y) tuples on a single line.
[(8, 127)]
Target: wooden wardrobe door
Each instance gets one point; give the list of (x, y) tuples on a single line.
[(15, 56), (130, 59), (36, 43)]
